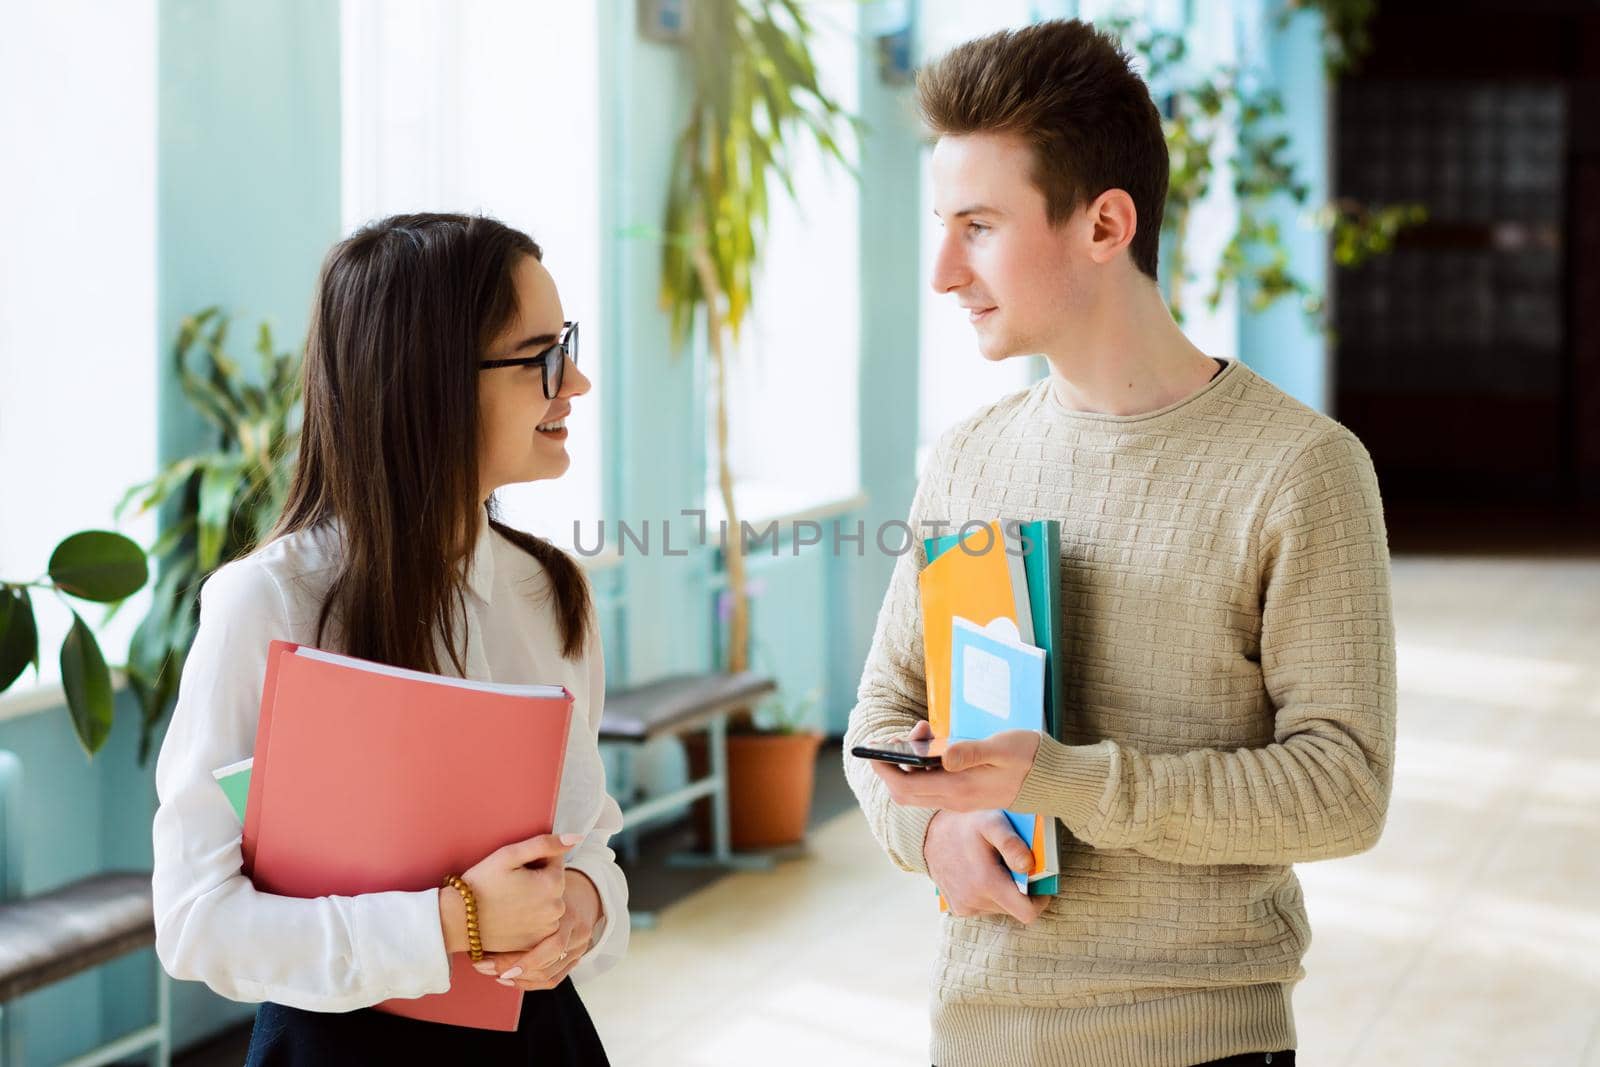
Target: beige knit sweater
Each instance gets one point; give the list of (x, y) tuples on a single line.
[(1230, 699)]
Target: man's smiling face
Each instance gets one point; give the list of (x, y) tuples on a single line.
[(1021, 279)]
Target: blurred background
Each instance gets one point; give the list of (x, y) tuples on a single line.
[(1387, 207)]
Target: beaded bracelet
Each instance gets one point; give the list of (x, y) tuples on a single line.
[(474, 942)]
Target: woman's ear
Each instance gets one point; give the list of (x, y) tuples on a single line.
[(1113, 221)]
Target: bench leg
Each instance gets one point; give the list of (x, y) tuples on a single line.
[(721, 840), (10, 1036), (161, 1055), (626, 767), (722, 854), (713, 786)]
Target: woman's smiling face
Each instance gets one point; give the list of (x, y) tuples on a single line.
[(511, 402)]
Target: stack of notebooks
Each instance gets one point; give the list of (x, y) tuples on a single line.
[(992, 647), (368, 778)]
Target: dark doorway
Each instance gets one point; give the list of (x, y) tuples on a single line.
[(1468, 361)]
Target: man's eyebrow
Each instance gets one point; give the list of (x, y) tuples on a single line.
[(975, 209)]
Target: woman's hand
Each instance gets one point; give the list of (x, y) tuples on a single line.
[(521, 895), (547, 964)]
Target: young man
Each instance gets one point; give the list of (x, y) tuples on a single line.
[(1229, 686)]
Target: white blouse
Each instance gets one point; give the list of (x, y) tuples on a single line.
[(341, 953)]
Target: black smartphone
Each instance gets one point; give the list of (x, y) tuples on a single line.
[(927, 753)]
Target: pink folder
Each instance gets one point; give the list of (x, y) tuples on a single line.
[(370, 778)]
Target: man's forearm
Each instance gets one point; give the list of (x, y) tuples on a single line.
[(1312, 797)]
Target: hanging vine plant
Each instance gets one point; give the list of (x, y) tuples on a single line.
[(1345, 37), (1255, 258)]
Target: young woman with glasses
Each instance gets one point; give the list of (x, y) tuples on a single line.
[(439, 367)]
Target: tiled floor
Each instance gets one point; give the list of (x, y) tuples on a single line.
[(1470, 936)]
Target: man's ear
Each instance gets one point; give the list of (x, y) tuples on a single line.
[(1113, 221)]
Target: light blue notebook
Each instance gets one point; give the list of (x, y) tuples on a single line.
[(998, 683)]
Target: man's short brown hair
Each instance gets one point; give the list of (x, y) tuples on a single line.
[(1071, 93)]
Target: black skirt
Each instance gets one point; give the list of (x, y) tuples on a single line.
[(555, 1031)]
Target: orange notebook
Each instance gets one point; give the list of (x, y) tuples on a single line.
[(370, 778), (975, 580)]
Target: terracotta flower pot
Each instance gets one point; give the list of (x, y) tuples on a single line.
[(770, 782)]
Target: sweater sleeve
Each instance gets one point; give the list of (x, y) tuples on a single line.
[(212, 925), (1321, 789), (893, 694)]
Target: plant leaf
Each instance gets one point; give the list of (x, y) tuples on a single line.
[(163, 485), (87, 681), (100, 566), (264, 351), (155, 694), (19, 635), (150, 641), (171, 536), (218, 486)]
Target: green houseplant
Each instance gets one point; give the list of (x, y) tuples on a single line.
[(755, 96), (92, 565), (224, 498)]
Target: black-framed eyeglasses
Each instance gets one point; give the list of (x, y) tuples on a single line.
[(552, 361)]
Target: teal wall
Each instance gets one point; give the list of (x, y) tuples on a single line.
[(249, 202), (655, 440), (248, 169), (1280, 343)]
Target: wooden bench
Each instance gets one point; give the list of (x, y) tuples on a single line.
[(55, 935), (672, 707)]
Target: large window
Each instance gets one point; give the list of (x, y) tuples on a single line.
[(956, 380), (493, 107), (794, 402), (78, 358)]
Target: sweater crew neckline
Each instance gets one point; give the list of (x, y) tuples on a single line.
[(1053, 403)]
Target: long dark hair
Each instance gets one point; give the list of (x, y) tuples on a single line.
[(405, 308)]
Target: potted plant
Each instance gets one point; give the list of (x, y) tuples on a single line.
[(756, 95), (226, 497), (771, 773), (93, 565)]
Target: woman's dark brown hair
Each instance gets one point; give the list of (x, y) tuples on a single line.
[(1072, 94), (405, 309)]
